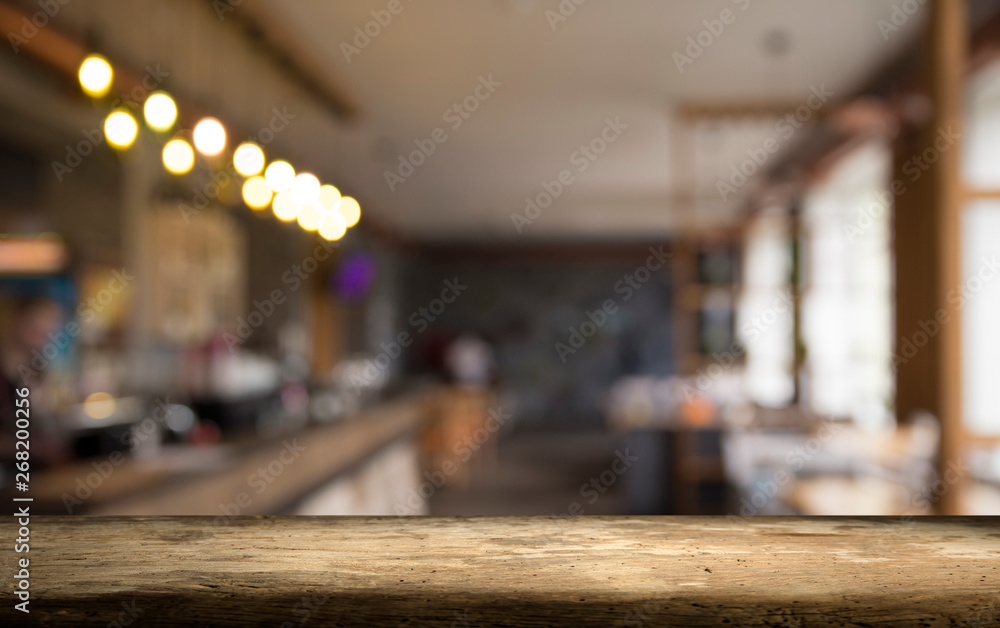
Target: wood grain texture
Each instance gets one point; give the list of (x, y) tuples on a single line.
[(512, 571)]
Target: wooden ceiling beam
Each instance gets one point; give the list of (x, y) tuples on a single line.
[(270, 32)]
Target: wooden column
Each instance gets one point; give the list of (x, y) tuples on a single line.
[(140, 175), (927, 238), (326, 324), (797, 283)]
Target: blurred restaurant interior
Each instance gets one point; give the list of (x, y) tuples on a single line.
[(502, 257)]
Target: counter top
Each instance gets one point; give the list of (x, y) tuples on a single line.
[(195, 483), (512, 571)]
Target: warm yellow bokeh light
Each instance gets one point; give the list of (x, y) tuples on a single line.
[(350, 210), (305, 189), (178, 156), (160, 111), (248, 159), (285, 207), (99, 405), (332, 227), (310, 216), (96, 75), (256, 194), (280, 175), (120, 128), (209, 137), (329, 196)]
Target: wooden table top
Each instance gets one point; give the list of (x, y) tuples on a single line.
[(510, 571)]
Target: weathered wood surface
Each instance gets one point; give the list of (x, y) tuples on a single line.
[(532, 571)]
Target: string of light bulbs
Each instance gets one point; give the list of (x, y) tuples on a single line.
[(291, 196)]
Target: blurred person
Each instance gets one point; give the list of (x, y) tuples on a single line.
[(31, 328), (469, 360)]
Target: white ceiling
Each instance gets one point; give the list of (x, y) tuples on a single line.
[(558, 86), (610, 58)]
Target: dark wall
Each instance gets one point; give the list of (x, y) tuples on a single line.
[(524, 310)]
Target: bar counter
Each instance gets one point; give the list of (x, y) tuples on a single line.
[(509, 571), (306, 460)]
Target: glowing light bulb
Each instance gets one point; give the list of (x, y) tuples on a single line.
[(279, 176), (99, 405), (178, 156), (350, 211), (95, 75), (329, 196), (310, 216), (285, 207), (120, 128), (305, 189), (160, 111), (209, 137), (332, 227), (248, 159), (256, 194)]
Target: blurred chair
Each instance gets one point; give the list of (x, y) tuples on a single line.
[(891, 475)]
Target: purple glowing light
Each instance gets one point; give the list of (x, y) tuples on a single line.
[(354, 276)]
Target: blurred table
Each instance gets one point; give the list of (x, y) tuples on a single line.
[(457, 430)]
